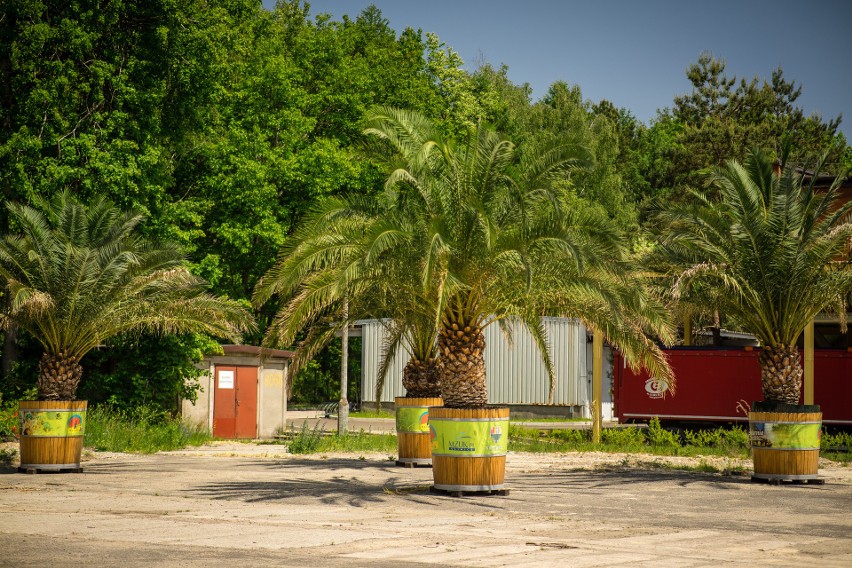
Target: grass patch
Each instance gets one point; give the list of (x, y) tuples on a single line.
[(546, 419), (143, 430), (837, 447), (316, 441), (655, 440), (372, 414)]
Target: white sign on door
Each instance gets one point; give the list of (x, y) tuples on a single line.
[(226, 379)]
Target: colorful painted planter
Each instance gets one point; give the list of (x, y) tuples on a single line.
[(51, 434), (469, 447), (412, 430), (785, 445)]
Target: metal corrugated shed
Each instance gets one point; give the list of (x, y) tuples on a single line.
[(515, 375)]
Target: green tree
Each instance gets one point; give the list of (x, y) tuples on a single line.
[(722, 122), (775, 250), (563, 114), (78, 275)]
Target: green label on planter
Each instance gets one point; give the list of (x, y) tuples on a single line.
[(412, 419), (484, 438), (64, 423), (785, 435)]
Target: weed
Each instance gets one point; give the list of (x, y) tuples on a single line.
[(307, 440), (142, 430), (7, 455)]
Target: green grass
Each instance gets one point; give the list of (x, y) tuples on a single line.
[(315, 441), (372, 414), (143, 431), (652, 440), (837, 447), (547, 419)]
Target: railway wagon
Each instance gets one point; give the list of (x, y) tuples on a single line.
[(719, 384)]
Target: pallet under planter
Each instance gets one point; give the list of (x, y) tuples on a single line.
[(32, 470), (500, 492), (781, 480), (469, 448)]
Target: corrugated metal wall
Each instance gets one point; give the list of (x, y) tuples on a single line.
[(515, 375)]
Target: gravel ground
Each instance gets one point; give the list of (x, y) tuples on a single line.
[(232, 504)]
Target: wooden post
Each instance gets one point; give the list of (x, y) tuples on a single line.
[(687, 329), (809, 363), (597, 385), (343, 404)]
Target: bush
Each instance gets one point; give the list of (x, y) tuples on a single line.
[(626, 438), (658, 436), (8, 419)]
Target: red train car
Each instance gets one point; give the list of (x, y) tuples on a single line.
[(712, 382)]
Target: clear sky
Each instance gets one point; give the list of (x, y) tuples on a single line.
[(635, 53)]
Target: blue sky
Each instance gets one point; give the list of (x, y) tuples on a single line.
[(635, 53)]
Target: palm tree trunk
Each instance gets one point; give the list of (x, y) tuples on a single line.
[(58, 376), (462, 366), (422, 379), (781, 373)]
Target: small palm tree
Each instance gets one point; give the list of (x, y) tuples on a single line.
[(775, 248), (328, 263), (77, 275)]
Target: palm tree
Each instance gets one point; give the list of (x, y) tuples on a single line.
[(329, 263), (776, 250), (494, 235), (77, 275)]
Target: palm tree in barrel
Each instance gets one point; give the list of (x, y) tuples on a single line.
[(78, 274), (778, 250), (496, 238)]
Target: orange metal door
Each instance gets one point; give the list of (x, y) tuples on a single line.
[(224, 403), (235, 402), (246, 403)]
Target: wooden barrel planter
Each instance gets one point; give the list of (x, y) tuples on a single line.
[(469, 448), (412, 430), (785, 443), (51, 434)]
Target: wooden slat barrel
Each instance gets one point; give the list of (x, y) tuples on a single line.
[(51, 434), (785, 445), (469, 448), (412, 429)]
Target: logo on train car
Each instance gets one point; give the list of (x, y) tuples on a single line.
[(655, 388)]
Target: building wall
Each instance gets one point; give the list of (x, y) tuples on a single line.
[(271, 393), (515, 374)]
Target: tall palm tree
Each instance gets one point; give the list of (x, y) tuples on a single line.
[(495, 236), (777, 250), (77, 275)]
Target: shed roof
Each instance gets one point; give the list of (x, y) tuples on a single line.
[(255, 350)]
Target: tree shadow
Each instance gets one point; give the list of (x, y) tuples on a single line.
[(339, 490)]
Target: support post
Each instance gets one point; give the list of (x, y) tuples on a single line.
[(809, 363), (597, 385), (687, 329), (343, 404)]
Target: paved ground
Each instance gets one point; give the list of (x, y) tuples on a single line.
[(250, 505)]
